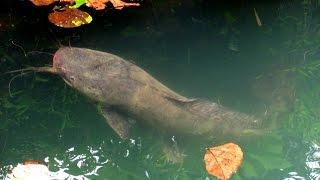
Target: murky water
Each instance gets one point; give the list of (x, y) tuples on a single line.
[(201, 49)]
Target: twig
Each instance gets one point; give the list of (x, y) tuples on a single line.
[(257, 17)]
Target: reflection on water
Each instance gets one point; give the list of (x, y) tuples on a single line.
[(81, 163), (313, 161), (93, 161), (311, 165), (87, 163), (294, 175)]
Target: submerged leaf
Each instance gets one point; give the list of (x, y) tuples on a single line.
[(222, 161), (69, 18)]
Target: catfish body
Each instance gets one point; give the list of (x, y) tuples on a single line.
[(124, 89)]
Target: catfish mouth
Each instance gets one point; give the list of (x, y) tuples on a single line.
[(56, 62), (57, 65)]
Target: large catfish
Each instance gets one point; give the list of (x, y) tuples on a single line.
[(122, 89)]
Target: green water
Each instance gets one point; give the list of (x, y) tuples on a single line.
[(200, 49)]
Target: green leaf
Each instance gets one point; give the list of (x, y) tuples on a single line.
[(78, 3)]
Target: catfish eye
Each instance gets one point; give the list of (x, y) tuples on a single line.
[(72, 78)]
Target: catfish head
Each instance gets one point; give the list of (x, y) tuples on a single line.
[(86, 70)]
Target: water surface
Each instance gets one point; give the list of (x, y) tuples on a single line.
[(206, 50)]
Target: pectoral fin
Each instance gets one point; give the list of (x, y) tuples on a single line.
[(180, 99), (117, 122)]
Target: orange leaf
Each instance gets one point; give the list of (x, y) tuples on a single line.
[(97, 4), (48, 2), (222, 161), (42, 2), (69, 18)]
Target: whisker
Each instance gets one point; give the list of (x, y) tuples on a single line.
[(47, 69), (19, 70), (13, 78), (40, 52)]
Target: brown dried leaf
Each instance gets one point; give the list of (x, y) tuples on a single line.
[(97, 4), (69, 18), (118, 4), (42, 2), (48, 2), (222, 161)]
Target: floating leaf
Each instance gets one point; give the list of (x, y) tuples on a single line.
[(222, 161), (42, 2), (118, 4), (69, 18), (48, 2), (97, 4)]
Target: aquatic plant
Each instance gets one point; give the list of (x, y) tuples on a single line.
[(266, 154), (303, 62)]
